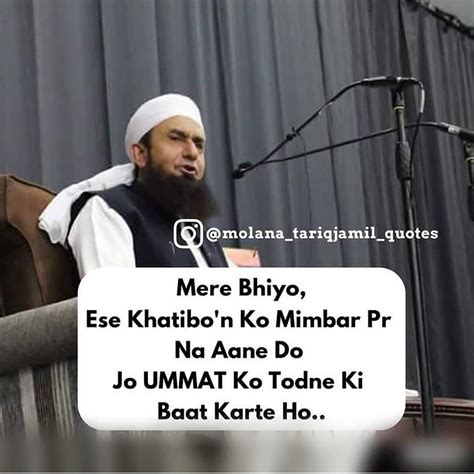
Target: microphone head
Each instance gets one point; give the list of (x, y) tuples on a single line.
[(241, 170), (390, 81), (237, 174)]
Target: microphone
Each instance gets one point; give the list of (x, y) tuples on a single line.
[(462, 133), (384, 81), (241, 170)]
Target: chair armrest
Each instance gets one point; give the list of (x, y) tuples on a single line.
[(38, 336)]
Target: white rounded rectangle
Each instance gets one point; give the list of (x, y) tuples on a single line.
[(241, 349)]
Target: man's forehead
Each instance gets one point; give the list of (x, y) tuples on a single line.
[(181, 123)]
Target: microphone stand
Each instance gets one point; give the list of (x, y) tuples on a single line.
[(404, 174)]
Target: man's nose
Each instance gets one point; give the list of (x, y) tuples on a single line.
[(191, 151)]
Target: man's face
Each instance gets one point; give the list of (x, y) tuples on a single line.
[(177, 148), (171, 169)]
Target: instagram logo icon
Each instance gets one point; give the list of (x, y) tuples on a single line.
[(188, 233)]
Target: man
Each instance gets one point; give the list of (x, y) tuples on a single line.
[(129, 220)]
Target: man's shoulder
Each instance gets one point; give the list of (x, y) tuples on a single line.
[(116, 191), (99, 201), (106, 195)]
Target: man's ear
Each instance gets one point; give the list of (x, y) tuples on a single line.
[(140, 155)]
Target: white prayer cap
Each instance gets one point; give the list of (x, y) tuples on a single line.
[(155, 111)]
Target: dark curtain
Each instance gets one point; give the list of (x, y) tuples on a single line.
[(71, 74)]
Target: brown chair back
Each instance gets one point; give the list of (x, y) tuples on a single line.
[(33, 272)]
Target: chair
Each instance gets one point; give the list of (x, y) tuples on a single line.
[(33, 272)]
